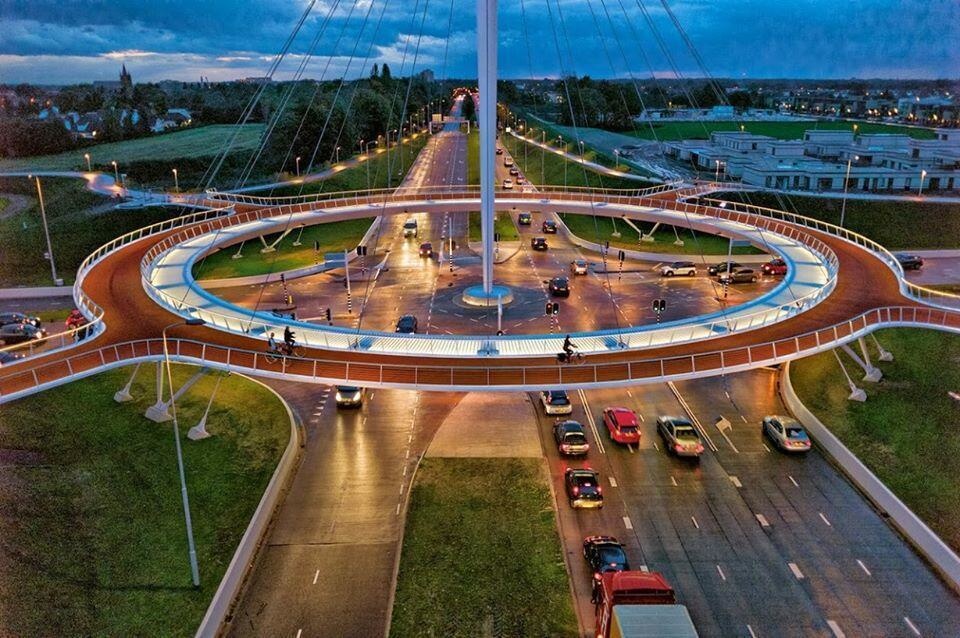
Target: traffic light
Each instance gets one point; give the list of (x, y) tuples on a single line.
[(549, 309), (552, 308), (496, 237), (361, 251), (328, 314), (283, 278), (623, 255), (659, 305), (556, 308), (316, 245)]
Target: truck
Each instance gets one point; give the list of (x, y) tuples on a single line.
[(634, 604)]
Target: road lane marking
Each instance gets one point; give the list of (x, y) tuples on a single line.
[(656, 447), (765, 447), (591, 421), (835, 628), (695, 523), (736, 482), (722, 575), (627, 523), (824, 518), (912, 627), (398, 509), (613, 481), (630, 448), (316, 576), (796, 570), (644, 569), (763, 520), (864, 567), (299, 633), (794, 481), (674, 481), (750, 629)]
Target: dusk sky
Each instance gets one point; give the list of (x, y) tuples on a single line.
[(66, 41)]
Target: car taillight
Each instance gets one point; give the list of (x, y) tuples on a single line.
[(678, 447), (699, 449), (576, 491), (597, 577), (599, 490)]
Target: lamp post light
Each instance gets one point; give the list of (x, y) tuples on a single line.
[(562, 152), (176, 181), (46, 231), (616, 158), (191, 547), (717, 178), (846, 184), (116, 173), (298, 166), (543, 153), (86, 156), (338, 155), (923, 175), (369, 144), (523, 127)]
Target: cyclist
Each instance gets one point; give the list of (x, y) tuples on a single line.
[(272, 344), (289, 338), (568, 349)]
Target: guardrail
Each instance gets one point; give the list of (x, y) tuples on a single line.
[(384, 373), (921, 293), (245, 321)]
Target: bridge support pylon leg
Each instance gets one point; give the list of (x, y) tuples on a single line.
[(123, 394), (856, 393), (871, 373), (199, 431), (885, 355), (158, 412)]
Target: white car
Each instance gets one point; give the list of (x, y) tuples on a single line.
[(556, 402), (410, 228), (786, 433), (508, 184), (677, 268), (578, 266)]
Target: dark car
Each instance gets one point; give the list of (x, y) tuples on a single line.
[(583, 488), (774, 267), (560, 287), (407, 324), (7, 318), (909, 262), (514, 171), (723, 266), (538, 243), (570, 438), (744, 275), (499, 151), (679, 436), (9, 357), (524, 219), (549, 227), (14, 333), (349, 396), (426, 249), (604, 554)]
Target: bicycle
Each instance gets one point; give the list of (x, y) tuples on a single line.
[(574, 358), (282, 351)]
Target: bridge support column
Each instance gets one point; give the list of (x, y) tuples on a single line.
[(871, 373), (885, 355), (199, 431), (123, 394), (856, 394), (159, 412)]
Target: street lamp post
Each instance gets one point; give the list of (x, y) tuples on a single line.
[(298, 166), (523, 127), (191, 547), (369, 144), (923, 175), (46, 231), (562, 152), (846, 183), (616, 158), (86, 156), (543, 154), (338, 155), (717, 178), (176, 181), (116, 173)]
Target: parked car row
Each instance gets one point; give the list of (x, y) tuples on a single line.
[(17, 328), (726, 272)]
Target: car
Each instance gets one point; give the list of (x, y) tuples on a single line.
[(909, 262), (622, 425), (578, 266), (7, 358), (410, 228), (786, 433), (555, 402), (514, 171), (407, 324), (349, 396), (508, 184), (538, 243), (549, 227), (724, 266), (508, 162), (583, 488), (525, 219), (559, 287), (774, 267), (744, 275), (7, 318), (426, 249), (604, 554), (679, 436), (687, 268), (521, 180), (499, 151), (16, 333), (570, 438)]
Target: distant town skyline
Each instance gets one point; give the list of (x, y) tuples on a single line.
[(45, 42)]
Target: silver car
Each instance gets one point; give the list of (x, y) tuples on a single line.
[(578, 266), (349, 396), (679, 436), (786, 433)]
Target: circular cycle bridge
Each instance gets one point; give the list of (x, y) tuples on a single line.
[(841, 286)]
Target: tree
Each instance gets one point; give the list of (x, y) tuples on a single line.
[(375, 71), (740, 100), (385, 72), (469, 109)]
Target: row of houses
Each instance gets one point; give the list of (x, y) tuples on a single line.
[(829, 160), (90, 125)]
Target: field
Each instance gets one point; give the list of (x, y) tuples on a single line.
[(668, 131), (480, 560), (204, 141), (503, 224), (906, 431), (92, 524), (894, 224)]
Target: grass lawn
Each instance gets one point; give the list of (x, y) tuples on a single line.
[(781, 130), (79, 223), (332, 237), (478, 560), (503, 224), (600, 229), (895, 224), (203, 141), (906, 431), (3, 204), (92, 521)]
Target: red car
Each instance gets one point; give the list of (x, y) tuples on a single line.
[(622, 425), (774, 267)]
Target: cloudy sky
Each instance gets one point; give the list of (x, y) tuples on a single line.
[(65, 41)]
